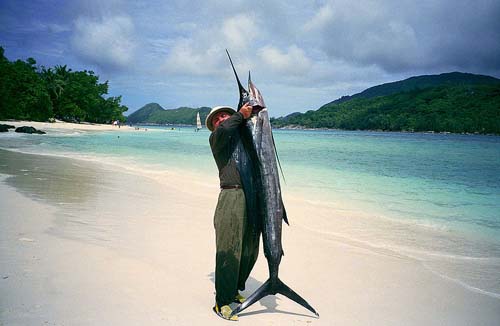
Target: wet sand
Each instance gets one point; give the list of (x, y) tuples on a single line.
[(84, 244)]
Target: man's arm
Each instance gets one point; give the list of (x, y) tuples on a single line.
[(236, 119), (232, 123), (220, 138)]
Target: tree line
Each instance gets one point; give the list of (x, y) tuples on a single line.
[(448, 108), (29, 92)]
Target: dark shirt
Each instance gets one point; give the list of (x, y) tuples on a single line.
[(223, 142)]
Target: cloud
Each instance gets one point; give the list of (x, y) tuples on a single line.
[(320, 19), (202, 52), (185, 57), (186, 27), (292, 62), (107, 42), (41, 27), (238, 31), (407, 36)]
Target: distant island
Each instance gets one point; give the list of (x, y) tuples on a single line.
[(451, 102), (154, 114)]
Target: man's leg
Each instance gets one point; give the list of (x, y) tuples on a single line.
[(229, 223), (250, 252)]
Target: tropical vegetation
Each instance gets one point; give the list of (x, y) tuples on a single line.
[(462, 103), (29, 92)]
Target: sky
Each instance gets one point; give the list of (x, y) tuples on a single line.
[(302, 54)]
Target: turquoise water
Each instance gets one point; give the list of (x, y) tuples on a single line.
[(449, 180), (427, 195)]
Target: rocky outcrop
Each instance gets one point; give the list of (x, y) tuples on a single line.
[(5, 128), (29, 130)]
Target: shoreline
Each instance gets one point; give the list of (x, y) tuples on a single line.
[(147, 232), (86, 126), (297, 127), (295, 199)]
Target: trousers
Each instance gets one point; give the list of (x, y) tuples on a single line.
[(237, 245)]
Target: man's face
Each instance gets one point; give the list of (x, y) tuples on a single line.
[(219, 118)]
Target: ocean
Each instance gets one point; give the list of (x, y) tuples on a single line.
[(430, 197)]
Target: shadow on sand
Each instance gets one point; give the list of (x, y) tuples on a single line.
[(269, 302)]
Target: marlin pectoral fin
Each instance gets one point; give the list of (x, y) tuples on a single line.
[(285, 217)]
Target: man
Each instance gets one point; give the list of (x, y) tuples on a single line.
[(237, 244)]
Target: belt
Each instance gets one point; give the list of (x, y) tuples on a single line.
[(231, 187)]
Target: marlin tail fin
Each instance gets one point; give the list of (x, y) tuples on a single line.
[(273, 288)]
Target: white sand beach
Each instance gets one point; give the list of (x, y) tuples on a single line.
[(61, 125), (84, 244)]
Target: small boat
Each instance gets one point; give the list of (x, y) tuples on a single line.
[(198, 122)]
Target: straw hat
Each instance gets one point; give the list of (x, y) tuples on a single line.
[(217, 109)]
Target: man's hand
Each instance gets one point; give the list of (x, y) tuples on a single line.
[(246, 110)]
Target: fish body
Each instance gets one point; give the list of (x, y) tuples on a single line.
[(266, 191)]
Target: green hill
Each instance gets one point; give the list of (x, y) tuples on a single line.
[(425, 81), (143, 113), (153, 113), (453, 102)]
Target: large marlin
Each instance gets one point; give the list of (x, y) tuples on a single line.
[(270, 204)]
